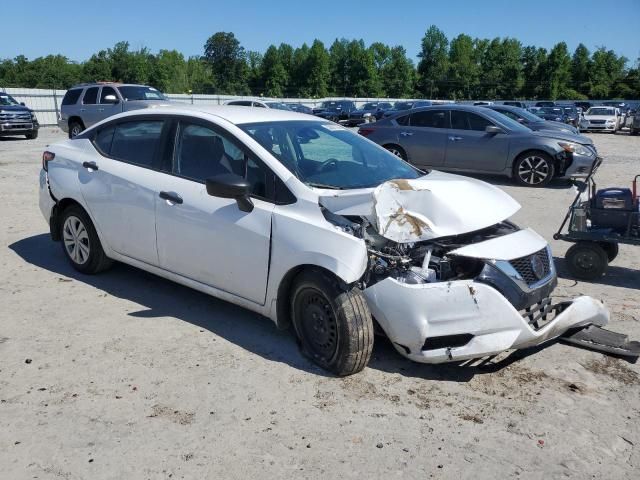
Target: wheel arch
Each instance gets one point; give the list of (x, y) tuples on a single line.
[(541, 149), (75, 118), (283, 304)]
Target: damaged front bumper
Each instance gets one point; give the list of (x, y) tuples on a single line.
[(466, 319)]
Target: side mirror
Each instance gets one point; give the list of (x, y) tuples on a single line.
[(493, 130), (22, 103), (521, 120), (111, 99), (230, 185)]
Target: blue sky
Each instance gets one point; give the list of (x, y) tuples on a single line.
[(78, 29)]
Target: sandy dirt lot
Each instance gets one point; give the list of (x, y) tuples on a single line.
[(125, 375)]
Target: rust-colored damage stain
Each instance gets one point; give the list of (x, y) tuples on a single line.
[(402, 184), (473, 292), (402, 218)]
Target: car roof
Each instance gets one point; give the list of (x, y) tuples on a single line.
[(232, 113), (109, 84)]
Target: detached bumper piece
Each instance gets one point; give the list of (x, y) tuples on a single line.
[(602, 340)]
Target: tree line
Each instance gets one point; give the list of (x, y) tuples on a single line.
[(460, 68)]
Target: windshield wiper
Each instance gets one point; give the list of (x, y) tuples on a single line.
[(323, 185)]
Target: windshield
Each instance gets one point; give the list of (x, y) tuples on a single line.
[(601, 111), (6, 99), (277, 106), (552, 110), (505, 121), (370, 106), (130, 93), (325, 155)]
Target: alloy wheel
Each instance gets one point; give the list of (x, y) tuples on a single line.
[(76, 240), (534, 170), (75, 130)]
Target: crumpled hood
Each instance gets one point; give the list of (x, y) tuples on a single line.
[(433, 206)]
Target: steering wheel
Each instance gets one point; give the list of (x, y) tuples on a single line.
[(326, 164)]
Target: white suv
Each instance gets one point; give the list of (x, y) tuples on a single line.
[(311, 225)]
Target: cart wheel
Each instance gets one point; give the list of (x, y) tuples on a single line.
[(586, 260), (611, 249)]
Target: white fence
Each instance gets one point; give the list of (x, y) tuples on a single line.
[(46, 103)]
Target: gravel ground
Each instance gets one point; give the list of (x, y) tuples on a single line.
[(126, 375)]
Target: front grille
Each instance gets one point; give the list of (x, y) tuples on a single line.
[(15, 117), (597, 122), (539, 314), (525, 266)]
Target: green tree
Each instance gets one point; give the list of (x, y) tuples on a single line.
[(433, 65), (558, 72), (463, 70), (606, 69), (169, 72), (273, 73), (316, 69), (580, 69), (227, 61), (398, 74)]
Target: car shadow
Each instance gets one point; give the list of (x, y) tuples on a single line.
[(614, 276), (163, 298), (11, 139)]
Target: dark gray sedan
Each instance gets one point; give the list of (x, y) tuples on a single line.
[(463, 138), (534, 122)]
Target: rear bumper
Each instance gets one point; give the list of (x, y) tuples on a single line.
[(474, 311), (64, 126)]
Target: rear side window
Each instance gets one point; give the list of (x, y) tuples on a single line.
[(403, 120), (429, 119), (90, 96), (103, 139), (71, 97), (134, 142)]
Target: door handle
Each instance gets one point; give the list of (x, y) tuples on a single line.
[(90, 165), (406, 134), (455, 139), (101, 109), (171, 197), (83, 109)]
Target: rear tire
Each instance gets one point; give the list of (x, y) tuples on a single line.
[(633, 132), (75, 128), (332, 322), (534, 169), (586, 260), (80, 242), (397, 150)]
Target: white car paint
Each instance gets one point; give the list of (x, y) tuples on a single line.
[(210, 245), (601, 118)]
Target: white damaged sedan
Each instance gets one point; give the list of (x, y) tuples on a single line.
[(311, 225)]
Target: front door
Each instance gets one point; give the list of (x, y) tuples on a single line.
[(471, 148), (206, 238)]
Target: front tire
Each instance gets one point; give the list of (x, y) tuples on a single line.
[(534, 169), (586, 260), (32, 135), (332, 322), (80, 242)]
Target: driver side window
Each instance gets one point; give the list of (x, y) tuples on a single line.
[(200, 153)]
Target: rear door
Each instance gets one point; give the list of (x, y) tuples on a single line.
[(425, 137), (471, 148), (121, 186)]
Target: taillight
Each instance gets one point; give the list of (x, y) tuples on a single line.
[(46, 158), (365, 132)]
